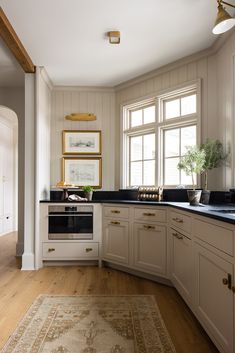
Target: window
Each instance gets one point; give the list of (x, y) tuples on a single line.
[(142, 159), (175, 142), (170, 122), (142, 116), (179, 107)]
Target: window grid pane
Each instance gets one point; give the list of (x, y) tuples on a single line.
[(186, 137), (142, 160), (179, 107), (142, 116)]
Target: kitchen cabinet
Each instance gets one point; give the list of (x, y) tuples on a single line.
[(116, 241), (214, 298), (181, 259), (150, 248), (69, 247)]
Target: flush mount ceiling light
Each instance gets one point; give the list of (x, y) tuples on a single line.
[(223, 21), (114, 37)]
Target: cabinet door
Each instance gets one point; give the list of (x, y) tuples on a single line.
[(182, 264), (150, 248), (214, 299), (116, 241)]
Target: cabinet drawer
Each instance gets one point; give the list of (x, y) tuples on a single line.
[(150, 214), (215, 235), (116, 212), (70, 251), (181, 221)]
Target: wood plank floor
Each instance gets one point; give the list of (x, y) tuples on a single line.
[(18, 289)]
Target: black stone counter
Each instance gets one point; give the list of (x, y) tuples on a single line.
[(210, 211)]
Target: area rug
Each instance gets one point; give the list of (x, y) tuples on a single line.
[(91, 324)]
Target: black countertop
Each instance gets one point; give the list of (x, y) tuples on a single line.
[(210, 211)]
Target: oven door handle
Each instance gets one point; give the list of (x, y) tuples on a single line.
[(69, 215)]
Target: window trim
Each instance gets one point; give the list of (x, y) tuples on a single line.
[(157, 127)]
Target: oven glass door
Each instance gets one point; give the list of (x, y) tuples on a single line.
[(70, 225)]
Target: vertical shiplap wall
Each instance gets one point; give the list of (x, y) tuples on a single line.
[(101, 102), (226, 104), (203, 69)]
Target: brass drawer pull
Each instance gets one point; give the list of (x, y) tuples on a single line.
[(115, 222), (148, 214), (178, 236), (115, 211), (88, 249), (178, 220), (148, 227), (228, 281), (51, 249)]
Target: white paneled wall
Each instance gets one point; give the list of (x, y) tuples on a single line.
[(216, 72), (226, 104), (170, 80), (101, 102)]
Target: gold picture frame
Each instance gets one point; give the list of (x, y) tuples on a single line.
[(82, 171), (81, 142)]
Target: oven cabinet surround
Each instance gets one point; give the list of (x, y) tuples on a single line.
[(194, 252), (49, 251), (136, 237)]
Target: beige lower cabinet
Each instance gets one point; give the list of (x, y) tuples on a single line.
[(200, 261), (116, 240), (214, 299), (181, 260), (150, 248)]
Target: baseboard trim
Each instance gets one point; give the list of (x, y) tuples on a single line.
[(28, 262), (137, 273)]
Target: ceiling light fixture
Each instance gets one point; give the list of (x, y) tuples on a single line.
[(224, 21), (114, 37)]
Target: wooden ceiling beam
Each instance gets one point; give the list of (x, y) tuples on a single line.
[(12, 41)]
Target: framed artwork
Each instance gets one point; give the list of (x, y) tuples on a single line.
[(82, 171), (81, 142)]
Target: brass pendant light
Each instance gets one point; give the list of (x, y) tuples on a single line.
[(224, 21)]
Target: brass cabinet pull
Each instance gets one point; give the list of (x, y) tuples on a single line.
[(88, 249), (115, 211), (178, 220), (115, 222), (178, 236), (225, 281), (148, 214), (148, 227), (228, 282), (51, 249)]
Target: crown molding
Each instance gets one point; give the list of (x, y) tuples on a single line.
[(216, 46), (45, 77), (84, 89)]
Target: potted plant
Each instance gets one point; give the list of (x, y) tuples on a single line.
[(88, 192), (214, 155), (192, 163)]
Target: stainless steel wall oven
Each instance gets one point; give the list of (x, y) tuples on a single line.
[(70, 222)]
